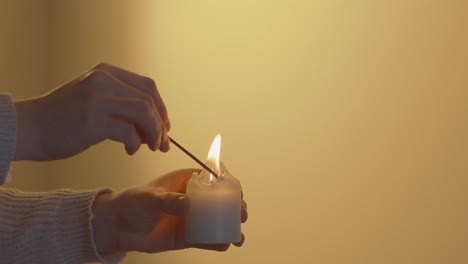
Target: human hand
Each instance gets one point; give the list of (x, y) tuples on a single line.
[(104, 103), (148, 218)]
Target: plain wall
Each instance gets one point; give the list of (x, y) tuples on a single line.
[(346, 121), (24, 54)]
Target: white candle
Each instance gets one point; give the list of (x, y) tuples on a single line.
[(214, 216)]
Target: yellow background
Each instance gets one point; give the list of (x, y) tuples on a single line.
[(346, 121)]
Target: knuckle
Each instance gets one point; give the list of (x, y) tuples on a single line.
[(148, 82), (149, 101), (97, 77), (148, 106), (101, 65), (150, 85)]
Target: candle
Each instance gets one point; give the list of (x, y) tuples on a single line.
[(214, 216)]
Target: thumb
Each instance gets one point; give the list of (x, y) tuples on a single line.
[(174, 203)]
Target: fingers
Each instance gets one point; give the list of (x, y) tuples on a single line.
[(117, 99), (164, 138), (215, 247), (123, 132), (145, 84), (130, 91), (244, 213), (175, 181), (172, 203), (138, 112), (240, 243)]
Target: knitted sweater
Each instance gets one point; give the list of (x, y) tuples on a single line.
[(48, 227)]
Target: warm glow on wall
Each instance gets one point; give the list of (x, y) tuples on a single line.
[(345, 121)]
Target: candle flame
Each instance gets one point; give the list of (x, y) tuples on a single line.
[(213, 155)]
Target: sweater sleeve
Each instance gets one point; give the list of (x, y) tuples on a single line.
[(49, 227), (7, 135)]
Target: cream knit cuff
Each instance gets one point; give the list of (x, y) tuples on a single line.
[(49, 227), (7, 135)]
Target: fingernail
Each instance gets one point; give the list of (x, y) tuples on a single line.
[(168, 125), (157, 144), (167, 145)]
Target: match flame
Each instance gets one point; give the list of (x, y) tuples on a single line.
[(213, 156)]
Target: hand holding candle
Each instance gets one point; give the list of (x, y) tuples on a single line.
[(149, 218)]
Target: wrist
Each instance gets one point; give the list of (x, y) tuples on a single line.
[(104, 224), (26, 131)]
